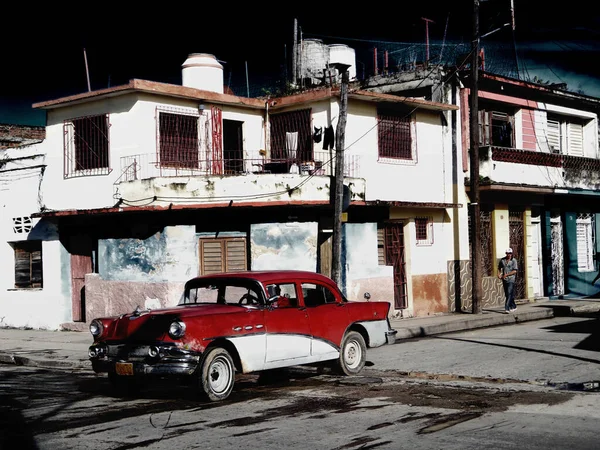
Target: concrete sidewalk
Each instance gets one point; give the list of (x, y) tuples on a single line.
[(68, 349)]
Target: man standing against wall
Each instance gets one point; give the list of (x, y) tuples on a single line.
[(507, 272)]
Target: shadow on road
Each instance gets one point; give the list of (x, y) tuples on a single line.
[(590, 327), (589, 343)]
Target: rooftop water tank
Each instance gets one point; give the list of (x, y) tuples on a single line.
[(202, 71), (341, 53), (315, 56)]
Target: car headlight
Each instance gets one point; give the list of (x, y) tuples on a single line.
[(177, 329), (96, 328)]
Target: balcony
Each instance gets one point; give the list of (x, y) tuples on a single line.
[(196, 181), (541, 169), (146, 166)]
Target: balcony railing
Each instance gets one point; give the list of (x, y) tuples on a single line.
[(518, 156), (145, 166), (511, 165)]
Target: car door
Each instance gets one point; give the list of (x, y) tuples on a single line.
[(328, 317), (288, 330)]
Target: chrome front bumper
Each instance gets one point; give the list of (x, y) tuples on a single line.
[(145, 360)]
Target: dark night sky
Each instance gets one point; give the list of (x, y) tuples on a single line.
[(43, 46)]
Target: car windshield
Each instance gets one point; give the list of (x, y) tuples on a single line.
[(232, 291)]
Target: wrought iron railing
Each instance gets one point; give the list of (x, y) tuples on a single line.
[(145, 166), (518, 156)]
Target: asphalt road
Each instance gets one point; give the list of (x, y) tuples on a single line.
[(511, 387)]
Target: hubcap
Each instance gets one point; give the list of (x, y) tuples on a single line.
[(220, 375), (352, 354)]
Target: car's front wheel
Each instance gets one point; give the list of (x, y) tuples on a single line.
[(217, 374), (353, 354)]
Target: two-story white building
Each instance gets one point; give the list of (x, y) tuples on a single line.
[(143, 186)]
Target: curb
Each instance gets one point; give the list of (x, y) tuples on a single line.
[(471, 324), (7, 358)]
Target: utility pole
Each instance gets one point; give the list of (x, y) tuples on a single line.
[(474, 160), (427, 36), (295, 54), (336, 257)]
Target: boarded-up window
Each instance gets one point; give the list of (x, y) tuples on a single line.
[(222, 255), (28, 264), (178, 140)]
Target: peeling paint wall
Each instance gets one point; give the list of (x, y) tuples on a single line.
[(362, 271), (108, 298), (170, 255), (46, 307), (291, 246), (430, 294)]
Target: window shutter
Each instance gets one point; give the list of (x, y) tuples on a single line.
[(22, 268), (575, 134), (211, 253), (585, 257), (236, 255), (28, 265), (381, 246), (222, 255), (554, 136)]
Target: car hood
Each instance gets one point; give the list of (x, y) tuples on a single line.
[(154, 324)]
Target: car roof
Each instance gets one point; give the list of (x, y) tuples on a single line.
[(269, 275)]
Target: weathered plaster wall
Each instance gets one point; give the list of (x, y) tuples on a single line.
[(170, 255), (108, 298), (49, 306), (362, 272), (430, 294), (291, 246)]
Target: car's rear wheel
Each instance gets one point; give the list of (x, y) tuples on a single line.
[(353, 354), (217, 374)]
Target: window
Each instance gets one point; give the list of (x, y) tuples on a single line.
[(86, 146), (283, 295), (178, 140), (28, 264), (496, 126), (222, 255), (394, 131), (424, 230), (565, 135), (315, 294), (291, 136), (585, 243)]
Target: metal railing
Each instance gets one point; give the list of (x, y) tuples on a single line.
[(519, 156), (145, 166)]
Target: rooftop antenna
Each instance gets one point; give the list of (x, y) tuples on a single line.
[(427, 37), (87, 72)]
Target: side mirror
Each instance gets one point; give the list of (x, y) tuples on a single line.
[(367, 295)]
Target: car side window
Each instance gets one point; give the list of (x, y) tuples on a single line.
[(282, 295), (316, 294)]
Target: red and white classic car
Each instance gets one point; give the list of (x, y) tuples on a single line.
[(240, 322)]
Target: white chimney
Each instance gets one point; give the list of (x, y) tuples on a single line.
[(202, 71)]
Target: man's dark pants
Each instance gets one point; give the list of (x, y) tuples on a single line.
[(509, 294)]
